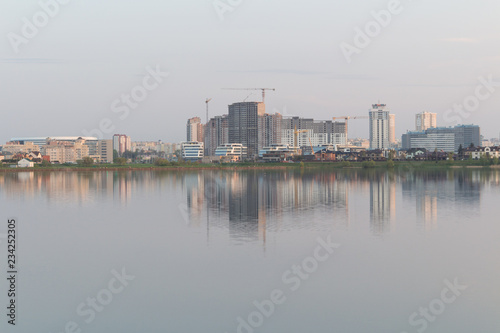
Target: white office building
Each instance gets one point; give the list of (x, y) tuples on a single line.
[(192, 151), (236, 151)]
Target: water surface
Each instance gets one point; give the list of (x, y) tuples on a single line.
[(202, 247)]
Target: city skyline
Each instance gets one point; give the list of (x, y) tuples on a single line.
[(68, 71), (196, 129)]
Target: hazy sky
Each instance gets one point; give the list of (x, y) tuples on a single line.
[(66, 76)]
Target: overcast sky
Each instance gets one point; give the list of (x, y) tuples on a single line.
[(64, 78)]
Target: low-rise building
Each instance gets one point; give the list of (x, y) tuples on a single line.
[(413, 154), (325, 154), (25, 163), (284, 148), (60, 152), (375, 155), (278, 156), (192, 151), (488, 152), (20, 147), (233, 152)]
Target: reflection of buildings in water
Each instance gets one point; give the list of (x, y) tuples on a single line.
[(426, 197), (427, 211), (382, 203), (68, 186), (122, 187), (467, 189), (337, 196), (76, 187), (244, 206), (454, 189), (245, 202), (195, 190)]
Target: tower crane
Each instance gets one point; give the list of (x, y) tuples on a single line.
[(312, 149), (295, 139), (206, 102), (263, 91)]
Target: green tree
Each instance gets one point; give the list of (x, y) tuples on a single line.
[(390, 164), (120, 161), (162, 162), (346, 164), (115, 154), (483, 160), (368, 164), (179, 155), (392, 154), (45, 163), (450, 158), (86, 161), (460, 152), (130, 154)]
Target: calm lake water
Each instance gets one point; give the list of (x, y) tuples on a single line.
[(254, 251)]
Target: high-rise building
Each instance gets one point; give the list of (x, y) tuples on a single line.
[(425, 120), (121, 143), (194, 130), (467, 135), (379, 126), (216, 134), (392, 129), (105, 150), (270, 133), (313, 132), (447, 139), (244, 125)]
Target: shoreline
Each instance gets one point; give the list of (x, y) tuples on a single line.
[(295, 166), (153, 168)]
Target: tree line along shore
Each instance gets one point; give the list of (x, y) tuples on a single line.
[(400, 165)]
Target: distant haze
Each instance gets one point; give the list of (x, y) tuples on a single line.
[(67, 75)]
